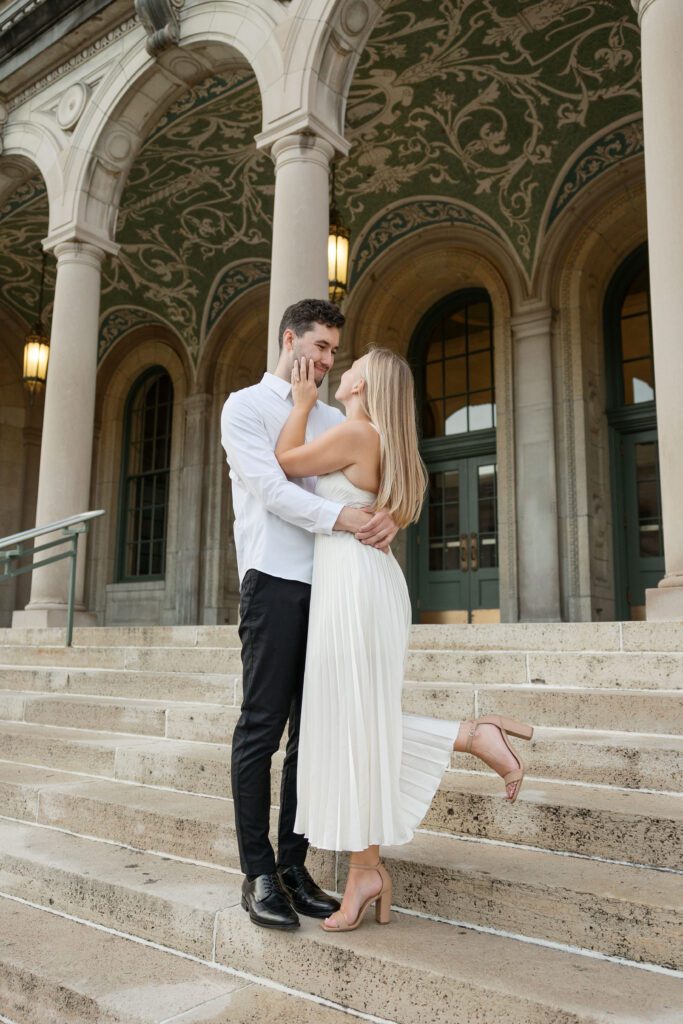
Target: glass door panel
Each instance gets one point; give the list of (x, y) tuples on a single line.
[(642, 517), (458, 543)]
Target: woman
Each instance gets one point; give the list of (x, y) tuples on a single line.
[(367, 773)]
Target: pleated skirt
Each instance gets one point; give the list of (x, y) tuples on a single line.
[(367, 773)]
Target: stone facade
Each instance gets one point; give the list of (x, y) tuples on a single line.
[(176, 169)]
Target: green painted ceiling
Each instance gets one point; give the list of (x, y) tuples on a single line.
[(494, 112)]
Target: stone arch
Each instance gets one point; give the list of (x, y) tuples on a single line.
[(29, 146), (328, 39), (386, 306), (589, 242), (139, 88), (122, 366)]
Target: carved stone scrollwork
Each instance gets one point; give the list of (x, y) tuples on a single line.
[(160, 21)]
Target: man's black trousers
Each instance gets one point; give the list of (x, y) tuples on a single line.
[(273, 630)]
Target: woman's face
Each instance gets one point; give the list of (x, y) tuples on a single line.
[(351, 379)]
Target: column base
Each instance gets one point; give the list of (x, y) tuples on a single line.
[(48, 618), (664, 604)]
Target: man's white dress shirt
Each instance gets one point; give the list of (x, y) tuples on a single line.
[(275, 518)]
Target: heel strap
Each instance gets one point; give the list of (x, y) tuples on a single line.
[(366, 867)]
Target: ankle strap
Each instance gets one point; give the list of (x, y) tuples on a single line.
[(365, 867), (470, 737)]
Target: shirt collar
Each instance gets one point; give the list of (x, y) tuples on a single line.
[(281, 387)]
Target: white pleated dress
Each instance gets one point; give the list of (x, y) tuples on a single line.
[(366, 772)]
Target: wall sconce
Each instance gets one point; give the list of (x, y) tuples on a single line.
[(37, 347), (337, 251)]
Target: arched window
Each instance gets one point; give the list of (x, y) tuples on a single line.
[(632, 417), (636, 376), (145, 477), (459, 394)]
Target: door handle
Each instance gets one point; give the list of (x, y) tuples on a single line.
[(474, 552), (463, 553)]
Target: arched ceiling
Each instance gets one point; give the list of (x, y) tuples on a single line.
[(488, 112)]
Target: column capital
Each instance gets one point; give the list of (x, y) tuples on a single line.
[(72, 234), (301, 147), (79, 252), (306, 124), (532, 322), (197, 403)]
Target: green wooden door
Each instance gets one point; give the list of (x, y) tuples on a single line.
[(643, 549), (457, 542)]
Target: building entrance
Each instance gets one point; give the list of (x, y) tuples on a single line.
[(454, 547)]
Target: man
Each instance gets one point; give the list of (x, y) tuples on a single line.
[(275, 520)]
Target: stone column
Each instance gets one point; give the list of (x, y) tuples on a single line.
[(300, 229), (66, 449), (536, 478), (661, 23), (191, 509)]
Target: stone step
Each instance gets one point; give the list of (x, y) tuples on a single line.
[(415, 970), (633, 827), (628, 759), (208, 723), (638, 827), (155, 659), (656, 711), (46, 979), (588, 904), (418, 970), (617, 669), (639, 670), (517, 890), (208, 687), (180, 764), (519, 636)]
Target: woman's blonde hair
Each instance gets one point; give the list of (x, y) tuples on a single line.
[(389, 400)]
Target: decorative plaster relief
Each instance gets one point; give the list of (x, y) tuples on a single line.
[(354, 17), (71, 105)]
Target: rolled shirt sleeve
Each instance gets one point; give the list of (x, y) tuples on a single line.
[(251, 457)]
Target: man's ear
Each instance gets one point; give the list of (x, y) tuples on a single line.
[(288, 340)]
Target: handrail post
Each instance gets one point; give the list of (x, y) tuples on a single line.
[(73, 532)]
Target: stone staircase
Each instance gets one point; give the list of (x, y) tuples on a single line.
[(119, 875)]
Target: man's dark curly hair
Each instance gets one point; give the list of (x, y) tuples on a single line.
[(301, 316)]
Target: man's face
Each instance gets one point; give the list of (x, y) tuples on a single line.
[(320, 344)]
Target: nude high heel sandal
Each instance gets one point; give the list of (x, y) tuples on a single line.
[(382, 901), (515, 728)]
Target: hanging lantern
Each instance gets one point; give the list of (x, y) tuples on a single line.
[(337, 252), (37, 347)]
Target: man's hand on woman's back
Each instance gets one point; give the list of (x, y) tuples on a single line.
[(376, 529)]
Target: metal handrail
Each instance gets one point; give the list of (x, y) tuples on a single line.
[(14, 548)]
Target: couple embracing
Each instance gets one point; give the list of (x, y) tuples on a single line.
[(318, 497)]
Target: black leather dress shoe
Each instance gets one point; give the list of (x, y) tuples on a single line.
[(307, 897), (267, 904)]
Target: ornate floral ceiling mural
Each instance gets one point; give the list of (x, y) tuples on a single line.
[(482, 103), (490, 112)]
